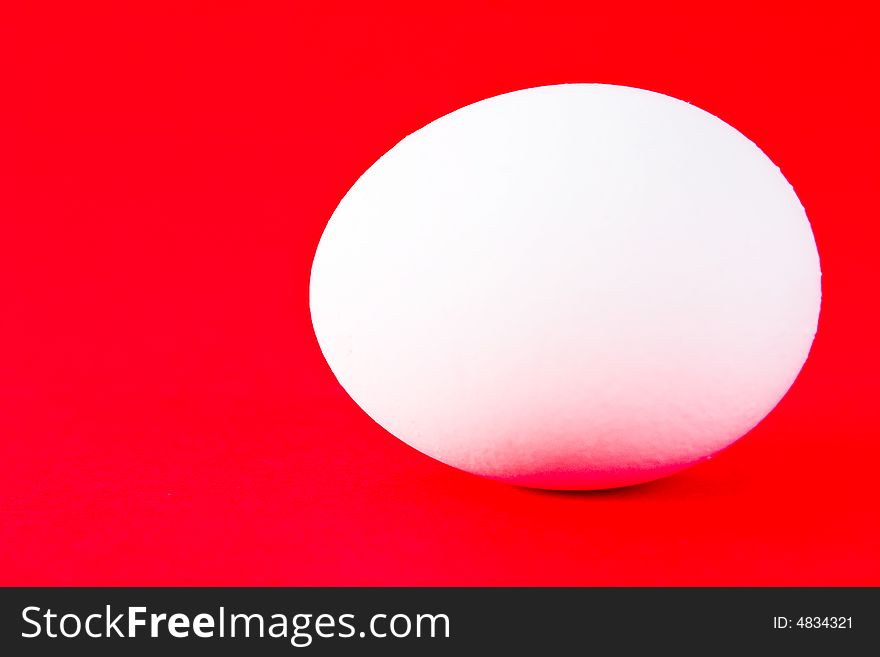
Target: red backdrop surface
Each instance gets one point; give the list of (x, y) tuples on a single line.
[(166, 415)]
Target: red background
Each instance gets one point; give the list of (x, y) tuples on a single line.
[(166, 415)]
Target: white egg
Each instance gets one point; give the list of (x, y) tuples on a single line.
[(575, 286)]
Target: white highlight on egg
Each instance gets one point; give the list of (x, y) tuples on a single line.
[(574, 286)]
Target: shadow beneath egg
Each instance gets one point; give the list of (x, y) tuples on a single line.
[(683, 485)]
